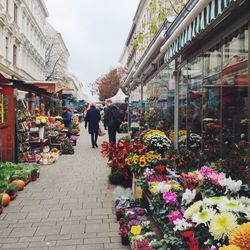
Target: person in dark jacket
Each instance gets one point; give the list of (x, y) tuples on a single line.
[(66, 116), (112, 120), (92, 120)]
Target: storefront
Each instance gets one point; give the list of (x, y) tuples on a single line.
[(203, 86)]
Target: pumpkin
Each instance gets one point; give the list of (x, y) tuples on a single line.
[(20, 184), (6, 200)]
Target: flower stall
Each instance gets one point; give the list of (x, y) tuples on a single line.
[(180, 202)]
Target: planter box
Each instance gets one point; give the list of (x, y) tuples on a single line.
[(27, 181), (13, 197)]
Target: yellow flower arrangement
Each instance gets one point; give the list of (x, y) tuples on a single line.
[(54, 150), (222, 225), (153, 131), (241, 236), (135, 230), (149, 159), (143, 163), (230, 247), (41, 120), (181, 133), (153, 191), (176, 186)]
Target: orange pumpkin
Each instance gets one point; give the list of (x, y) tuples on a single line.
[(6, 200), (20, 184)]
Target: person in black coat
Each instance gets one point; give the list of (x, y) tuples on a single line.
[(112, 120), (92, 120)]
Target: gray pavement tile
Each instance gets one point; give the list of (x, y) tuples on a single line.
[(95, 228), (91, 247), (32, 238), (57, 237), (22, 232), (15, 245), (71, 229), (48, 230), (63, 248), (69, 242)]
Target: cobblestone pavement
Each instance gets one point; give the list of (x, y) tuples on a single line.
[(69, 207)]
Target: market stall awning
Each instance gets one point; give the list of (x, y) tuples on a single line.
[(119, 97), (4, 80), (193, 26)]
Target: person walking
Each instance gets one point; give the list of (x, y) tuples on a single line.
[(92, 120), (112, 120)]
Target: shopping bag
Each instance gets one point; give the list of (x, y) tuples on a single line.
[(101, 131)]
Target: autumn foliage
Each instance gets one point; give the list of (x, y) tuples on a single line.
[(108, 84)]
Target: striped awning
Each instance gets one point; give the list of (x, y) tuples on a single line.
[(209, 13)]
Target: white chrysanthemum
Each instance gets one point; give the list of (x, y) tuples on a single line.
[(244, 200), (188, 196), (231, 185), (162, 187), (43, 121), (204, 216), (38, 122), (195, 208), (231, 206), (214, 200), (181, 225)]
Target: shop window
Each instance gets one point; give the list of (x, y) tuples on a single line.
[(212, 103), (3, 108), (235, 93), (158, 99)]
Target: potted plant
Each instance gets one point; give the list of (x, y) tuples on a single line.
[(1, 203), (11, 190), (34, 174)]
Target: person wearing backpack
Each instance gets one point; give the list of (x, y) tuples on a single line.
[(112, 120)]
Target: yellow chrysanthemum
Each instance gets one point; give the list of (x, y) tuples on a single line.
[(153, 191), (135, 230), (230, 247), (176, 186), (222, 225), (195, 208), (241, 236)]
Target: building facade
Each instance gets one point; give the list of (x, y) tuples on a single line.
[(22, 43), (197, 78)]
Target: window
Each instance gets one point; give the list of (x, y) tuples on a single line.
[(15, 12), (3, 108), (7, 6), (14, 55), (6, 47)]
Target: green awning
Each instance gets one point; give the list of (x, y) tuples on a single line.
[(200, 22)]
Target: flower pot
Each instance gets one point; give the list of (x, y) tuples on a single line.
[(33, 178), (125, 241), (13, 197), (120, 213), (41, 133), (27, 181)]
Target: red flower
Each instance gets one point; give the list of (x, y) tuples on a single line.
[(160, 168), (187, 234)]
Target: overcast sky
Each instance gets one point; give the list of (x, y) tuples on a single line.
[(94, 31)]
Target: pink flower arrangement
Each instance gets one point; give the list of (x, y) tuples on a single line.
[(170, 197), (174, 215), (212, 175)]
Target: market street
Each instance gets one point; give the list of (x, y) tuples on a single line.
[(69, 207)]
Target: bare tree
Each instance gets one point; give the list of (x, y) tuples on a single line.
[(55, 61)]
